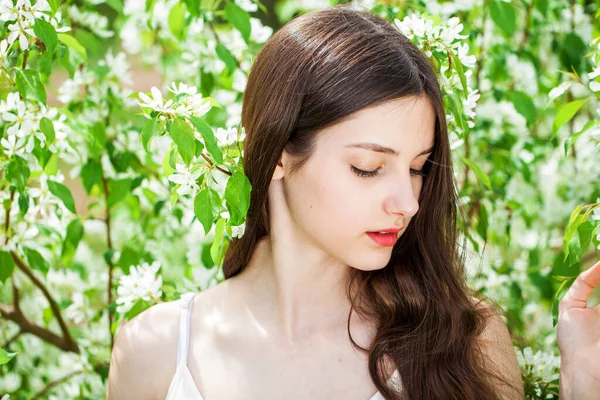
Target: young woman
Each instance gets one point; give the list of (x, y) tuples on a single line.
[(347, 282)]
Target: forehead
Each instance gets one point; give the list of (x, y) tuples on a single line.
[(406, 123)]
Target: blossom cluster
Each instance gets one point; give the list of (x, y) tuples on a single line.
[(22, 16), (441, 41), (188, 102), (142, 283)]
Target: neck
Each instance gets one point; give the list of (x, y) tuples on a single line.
[(294, 290)]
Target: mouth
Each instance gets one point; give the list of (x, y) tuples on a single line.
[(385, 238)]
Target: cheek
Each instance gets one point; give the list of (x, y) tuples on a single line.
[(324, 203)]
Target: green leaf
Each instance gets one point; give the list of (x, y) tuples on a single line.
[(116, 5), (139, 307), (177, 20), (193, 7), (572, 242), (482, 176), (570, 142), (128, 258), (560, 293), (35, 260), (237, 197), (228, 58), (18, 173), (51, 167), (458, 67), (183, 136), (150, 6), (72, 239), (29, 83), (5, 356), (209, 139), (167, 168), (47, 129), (483, 221), (118, 190), (524, 106), (48, 315), (46, 33), (585, 231), (23, 203), (239, 18), (54, 5), (217, 245), (7, 265), (42, 154), (504, 16), (73, 44), (91, 174), (567, 112), (150, 129), (207, 205), (63, 193)]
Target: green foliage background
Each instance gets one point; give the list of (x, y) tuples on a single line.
[(116, 196)]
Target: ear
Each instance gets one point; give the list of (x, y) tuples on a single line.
[(280, 167)]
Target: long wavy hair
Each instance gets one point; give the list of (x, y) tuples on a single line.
[(315, 70)]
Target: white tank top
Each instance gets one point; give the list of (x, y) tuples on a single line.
[(183, 386)]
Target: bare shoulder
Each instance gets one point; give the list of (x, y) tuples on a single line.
[(498, 353), (145, 346)]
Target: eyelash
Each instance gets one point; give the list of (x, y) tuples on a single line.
[(370, 174)]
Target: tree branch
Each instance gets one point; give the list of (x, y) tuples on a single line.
[(17, 316)]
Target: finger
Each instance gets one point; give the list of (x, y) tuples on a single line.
[(579, 293)]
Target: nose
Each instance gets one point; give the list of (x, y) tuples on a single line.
[(401, 200)]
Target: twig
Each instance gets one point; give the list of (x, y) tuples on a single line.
[(110, 263), (55, 383), (216, 166), (7, 216), (12, 339)]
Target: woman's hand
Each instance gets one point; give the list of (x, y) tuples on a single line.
[(578, 336)]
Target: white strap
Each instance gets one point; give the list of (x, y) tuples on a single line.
[(184, 328)]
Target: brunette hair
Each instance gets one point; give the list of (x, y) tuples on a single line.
[(317, 69)]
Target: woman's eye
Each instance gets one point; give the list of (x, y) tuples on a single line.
[(364, 174), (368, 174)]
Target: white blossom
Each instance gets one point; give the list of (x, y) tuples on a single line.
[(544, 365), (156, 102), (3, 52), (23, 121), (238, 231), (19, 30), (142, 283), (559, 90), (247, 5), (470, 104), (97, 23), (13, 145), (186, 179), (229, 136)]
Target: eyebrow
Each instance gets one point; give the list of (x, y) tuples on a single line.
[(382, 149)]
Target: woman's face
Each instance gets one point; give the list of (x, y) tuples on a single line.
[(336, 207)]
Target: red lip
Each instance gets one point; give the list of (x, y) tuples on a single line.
[(388, 230), (383, 239)]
